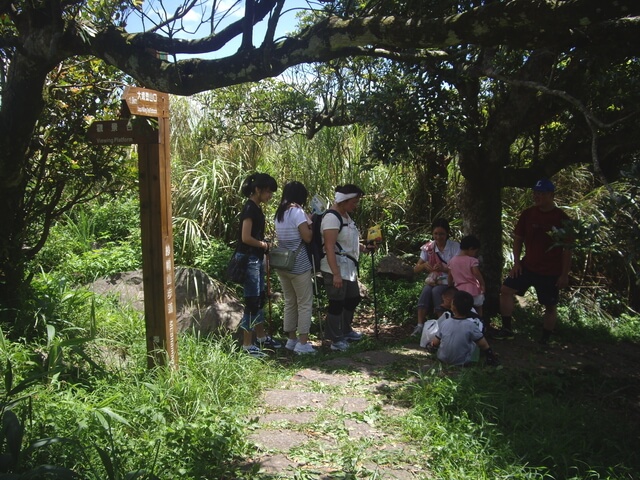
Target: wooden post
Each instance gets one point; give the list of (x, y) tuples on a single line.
[(156, 222), (157, 247)]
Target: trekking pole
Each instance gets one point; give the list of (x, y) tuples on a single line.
[(375, 300), (374, 238), (315, 292), (268, 269)]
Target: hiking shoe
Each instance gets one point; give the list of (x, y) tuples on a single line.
[(417, 330), (268, 342), (304, 349), (503, 334), (254, 351), (339, 346), (353, 336), (291, 344)]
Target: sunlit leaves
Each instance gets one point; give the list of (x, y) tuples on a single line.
[(65, 168)]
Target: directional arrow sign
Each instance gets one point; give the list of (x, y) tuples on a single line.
[(145, 102), (121, 132)]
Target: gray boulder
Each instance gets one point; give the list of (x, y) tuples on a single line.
[(393, 267), (203, 304)]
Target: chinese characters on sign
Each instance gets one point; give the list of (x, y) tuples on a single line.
[(121, 132), (148, 103)]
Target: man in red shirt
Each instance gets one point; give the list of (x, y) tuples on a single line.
[(544, 267)]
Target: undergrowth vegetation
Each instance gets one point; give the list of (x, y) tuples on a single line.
[(83, 401), (91, 407), (521, 424), (79, 402)]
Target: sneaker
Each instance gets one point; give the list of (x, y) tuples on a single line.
[(339, 346), (254, 351), (353, 336), (417, 330), (304, 349), (268, 342), (291, 344), (503, 334)]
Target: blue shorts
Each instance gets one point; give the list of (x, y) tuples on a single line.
[(545, 285)]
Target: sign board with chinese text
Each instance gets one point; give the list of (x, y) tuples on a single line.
[(146, 103), (121, 132)]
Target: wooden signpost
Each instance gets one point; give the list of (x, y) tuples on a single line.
[(156, 223)]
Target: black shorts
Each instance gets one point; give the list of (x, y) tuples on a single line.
[(545, 285)]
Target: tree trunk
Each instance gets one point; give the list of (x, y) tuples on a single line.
[(21, 105), (481, 211)]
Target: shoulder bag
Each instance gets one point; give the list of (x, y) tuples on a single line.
[(283, 259), (237, 268)]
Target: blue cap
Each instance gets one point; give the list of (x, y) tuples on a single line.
[(544, 185)]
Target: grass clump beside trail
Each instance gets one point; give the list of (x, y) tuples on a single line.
[(487, 423), (111, 422)]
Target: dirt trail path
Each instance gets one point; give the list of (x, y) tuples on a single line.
[(338, 418), (335, 418)]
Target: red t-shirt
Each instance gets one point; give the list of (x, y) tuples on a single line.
[(534, 225)]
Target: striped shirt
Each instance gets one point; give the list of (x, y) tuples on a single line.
[(289, 237)]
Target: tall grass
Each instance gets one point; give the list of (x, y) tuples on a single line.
[(120, 418), (207, 177)]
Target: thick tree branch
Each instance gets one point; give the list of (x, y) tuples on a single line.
[(592, 121), (518, 23)]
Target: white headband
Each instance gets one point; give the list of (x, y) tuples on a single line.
[(341, 197)]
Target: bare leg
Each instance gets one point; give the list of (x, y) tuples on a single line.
[(550, 317), (507, 301), (247, 337), (260, 332), (507, 304)]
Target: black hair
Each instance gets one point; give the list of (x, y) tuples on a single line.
[(470, 241), (463, 301), (258, 180), (450, 290), (442, 223), (293, 192), (349, 188)]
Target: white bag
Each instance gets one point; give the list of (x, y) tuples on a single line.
[(429, 332)]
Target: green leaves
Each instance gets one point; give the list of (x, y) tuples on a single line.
[(576, 234)]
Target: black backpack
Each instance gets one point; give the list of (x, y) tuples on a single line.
[(314, 248)]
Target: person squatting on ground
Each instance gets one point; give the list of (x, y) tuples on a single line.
[(464, 271), (293, 230), (429, 330), (259, 188), (459, 336), (434, 258), (447, 299), (544, 266), (339, 266)]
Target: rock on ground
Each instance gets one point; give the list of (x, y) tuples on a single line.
[(203, 303)]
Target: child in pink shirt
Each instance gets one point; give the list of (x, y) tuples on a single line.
[(464, 271)]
